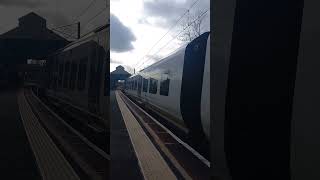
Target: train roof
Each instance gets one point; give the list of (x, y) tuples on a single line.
[(168, 57), (85, 38)]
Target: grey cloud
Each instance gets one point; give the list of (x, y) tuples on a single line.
[(98, 21), (166, 9), (57, 13), (167, 12), (120, 36), (53, 18), (143, 21), (115, 61), (157, 21), (22, 3)]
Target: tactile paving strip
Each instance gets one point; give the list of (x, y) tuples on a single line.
[(50, 160), (152, 165)]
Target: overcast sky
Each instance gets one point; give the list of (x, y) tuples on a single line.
[(57, 12), (137, 25)]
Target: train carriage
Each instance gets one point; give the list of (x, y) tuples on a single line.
[(78, 73), (178, 87)]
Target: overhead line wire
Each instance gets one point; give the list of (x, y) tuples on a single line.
[(187, 11), (178, 34)]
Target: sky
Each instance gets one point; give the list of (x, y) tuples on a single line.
[(56, 12), (137, 26)]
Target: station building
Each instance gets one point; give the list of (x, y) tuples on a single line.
[(31, 39), (118, 75)]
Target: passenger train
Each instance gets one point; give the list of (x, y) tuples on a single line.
[(78, 74), (178, 87)]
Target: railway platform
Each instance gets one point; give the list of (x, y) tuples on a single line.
[(160, 154), (86, 158), (122, 152), (51, 162), (40, 143)]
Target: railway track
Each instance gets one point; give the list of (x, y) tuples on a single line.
[(202, 147), (87, 149), (81, 121), (186, 162)]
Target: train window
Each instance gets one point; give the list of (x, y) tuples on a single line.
[(139, 84), (164, 87), (66, 75), (145, 85), (153, 86), (55, 64), (135, 84), (82, 74), (60, 75), (106, 83), (73, 76)]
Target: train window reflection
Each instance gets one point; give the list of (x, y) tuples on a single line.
[(106, 84), (153, 86), (139, 84), (60, 75), (73, 75), (66, 75), (145, 85), (164, 87), (82, 74)]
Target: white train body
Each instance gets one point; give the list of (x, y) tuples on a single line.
[(78, 73), (178, 86)]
